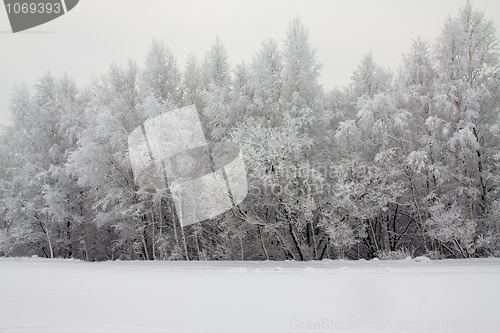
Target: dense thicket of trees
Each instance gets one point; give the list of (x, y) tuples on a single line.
[(391, 164)]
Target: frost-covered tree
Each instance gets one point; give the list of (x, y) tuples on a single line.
[(216, 69), (192, 89), (284, 185), (449, 225), (102, 165), (468, 59), (369, 78), (301, 69), (161, 75), (418, 73), (216, 76), (241, 95), (43, 202), (266, 82)]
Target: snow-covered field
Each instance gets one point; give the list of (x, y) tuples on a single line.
[(39, 295)]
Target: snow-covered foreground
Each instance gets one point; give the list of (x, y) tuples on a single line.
[(38, 295)]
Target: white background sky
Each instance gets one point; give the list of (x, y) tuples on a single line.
[(96, 33)]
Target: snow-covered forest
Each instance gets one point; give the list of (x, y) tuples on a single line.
[(397, 163)]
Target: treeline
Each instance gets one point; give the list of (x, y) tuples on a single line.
[(393, 164)]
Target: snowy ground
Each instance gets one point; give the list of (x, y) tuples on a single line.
[(38, 295)]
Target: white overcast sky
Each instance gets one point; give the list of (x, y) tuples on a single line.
[(96, 33)]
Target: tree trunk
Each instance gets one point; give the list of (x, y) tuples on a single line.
[(417, 209), (68, 238), (289, 254), (315, 245), (174, 223), (144, 245), (384, 230), (184, 244), (262, 243), (46, 232), (373, 236), (196, 244), (295, 241), (153, 234), (241, 247)]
